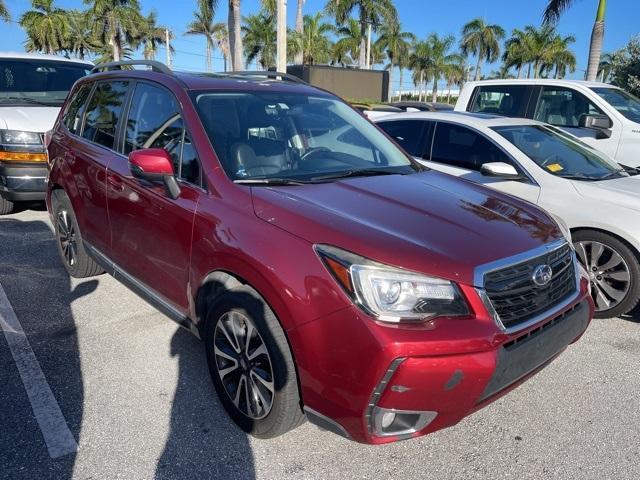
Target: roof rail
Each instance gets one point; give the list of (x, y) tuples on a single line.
[(287, 77), (155, 66)]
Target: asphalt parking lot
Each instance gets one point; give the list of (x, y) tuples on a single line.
[(134, 393)]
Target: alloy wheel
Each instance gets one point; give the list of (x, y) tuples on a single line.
[(244, 365), (608, 272), (67, 238)]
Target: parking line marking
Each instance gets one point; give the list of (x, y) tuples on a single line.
[(56, 433)]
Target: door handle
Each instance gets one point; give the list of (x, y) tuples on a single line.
[(115, 183)]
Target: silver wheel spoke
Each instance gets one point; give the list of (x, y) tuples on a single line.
[(602, 302), (268, 385), (622, 276), (596, 253), (247, 340), (233, 342), (222, 354), (258, 393), (614, 293), (582, 254), (613, 262), (241, 383), (261, 350)]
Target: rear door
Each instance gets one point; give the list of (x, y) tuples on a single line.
[(503, 100), (150, 232), (461, 151), (88, 152)]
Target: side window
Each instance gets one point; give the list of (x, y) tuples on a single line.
[(412, 135), (154, 121), (506, 100), (563, 107), (459, 146), (103, 113), (73, 115)]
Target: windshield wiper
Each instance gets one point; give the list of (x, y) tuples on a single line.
[(614, 174), (364, 172), (578, 176), (269, 181)]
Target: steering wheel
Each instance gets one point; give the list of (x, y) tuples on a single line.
[(547, 160), (312, 151)]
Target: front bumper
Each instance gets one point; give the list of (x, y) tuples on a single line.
[(434, 376), (23, 182)]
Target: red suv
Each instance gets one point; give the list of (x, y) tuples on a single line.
[(330, 276)]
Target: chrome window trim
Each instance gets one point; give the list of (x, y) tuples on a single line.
[(480, 272)]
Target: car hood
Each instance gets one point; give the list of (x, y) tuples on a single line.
[(428, 222), (28, 118), (624, 191)]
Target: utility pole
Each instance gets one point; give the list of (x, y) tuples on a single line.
[(167, 44), (281, 48)]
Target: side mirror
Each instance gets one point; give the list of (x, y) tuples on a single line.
[(154, 165), (500, 169), (600, 123)]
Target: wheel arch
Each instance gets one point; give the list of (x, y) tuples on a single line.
[(634, 249)]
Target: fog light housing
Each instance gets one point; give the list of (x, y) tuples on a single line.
[(391, 422)]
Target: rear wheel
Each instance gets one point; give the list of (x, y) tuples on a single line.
[(251, 364), (75, 259), (6, 206), (613, 270)]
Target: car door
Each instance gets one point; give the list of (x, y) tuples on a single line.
[(151, 233), (461, 151), (563, 107), (89, 151)]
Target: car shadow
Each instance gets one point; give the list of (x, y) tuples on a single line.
[(41, 295), (633, 315), (202, 442)]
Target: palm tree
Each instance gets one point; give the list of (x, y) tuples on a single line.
[(516, 51), (482, 40), (80, 40), (440, 59), (314, 44), (260, 39), (300, 21), (552, 14), (47, 26), (561, 57), (203, 25), (396, 44), (455, 75), (116, 23), (235, 35), (4, 12), (372, 13), (348, 45), (420, 64), (220, 35), (151, 35), (605, 67)]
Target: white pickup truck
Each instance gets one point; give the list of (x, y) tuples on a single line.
[(603, 116)]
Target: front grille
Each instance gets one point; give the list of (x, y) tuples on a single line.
[(516, 298)]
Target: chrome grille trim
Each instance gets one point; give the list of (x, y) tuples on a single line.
[(483, 270)]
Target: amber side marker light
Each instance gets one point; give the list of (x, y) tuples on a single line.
[(340, 272), (22, 157)]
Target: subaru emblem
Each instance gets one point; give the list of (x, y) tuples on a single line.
[(542, 275)]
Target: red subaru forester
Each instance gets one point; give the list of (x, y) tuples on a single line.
[(330, 276)]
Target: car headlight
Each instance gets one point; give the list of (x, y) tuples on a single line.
[(18, 137), (389, 293)]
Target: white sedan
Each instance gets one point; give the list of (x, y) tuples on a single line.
[(598, 199)]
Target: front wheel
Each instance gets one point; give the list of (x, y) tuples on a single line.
[(251, 364), (613, 270)]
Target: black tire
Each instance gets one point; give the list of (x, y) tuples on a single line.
[(6, 206), (627, 291), (80, 265), (285, 412)]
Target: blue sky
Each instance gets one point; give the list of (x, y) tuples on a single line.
[(418, 16)]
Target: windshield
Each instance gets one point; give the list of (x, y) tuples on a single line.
[(624, 102), (560, 154), (294, 137), (37, 82)]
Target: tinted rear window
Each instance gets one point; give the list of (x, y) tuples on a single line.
[(103, 113), (505, 100)]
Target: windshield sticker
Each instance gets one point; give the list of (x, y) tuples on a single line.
[(554, 167)]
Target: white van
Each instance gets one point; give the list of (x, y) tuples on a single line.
[(33, 87), (603, 116)]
